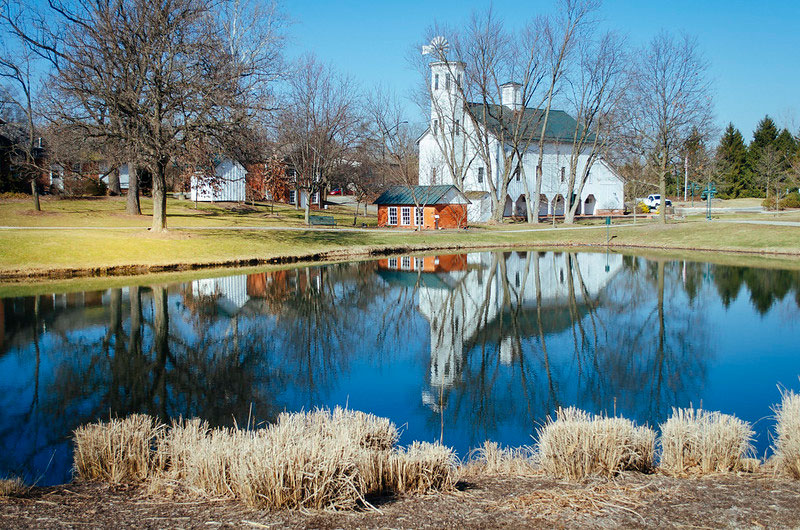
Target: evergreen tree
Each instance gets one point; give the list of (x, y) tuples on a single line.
[(786, 145), (731, 162), (763, 137)]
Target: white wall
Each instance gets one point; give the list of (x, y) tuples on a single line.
[(227, 186)]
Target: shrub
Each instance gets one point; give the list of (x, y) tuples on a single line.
[(792, 200), (699, 442), (118, 450), (787, 434), (642, 208), (577, 444)]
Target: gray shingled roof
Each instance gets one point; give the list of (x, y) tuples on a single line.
[(560, 125), (423, 194)]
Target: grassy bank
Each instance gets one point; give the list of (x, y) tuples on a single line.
[(213, 240)]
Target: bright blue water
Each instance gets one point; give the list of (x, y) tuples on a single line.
[(464, 348)]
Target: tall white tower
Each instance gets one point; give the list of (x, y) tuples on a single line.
[(447, 98)]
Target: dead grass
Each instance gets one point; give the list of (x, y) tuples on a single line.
[(596, 500), (492, 459), (577, 444), (699, 442), (12, 487), (117, 451), (787, 434), (309, 460)]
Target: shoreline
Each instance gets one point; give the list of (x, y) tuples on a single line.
[(17, 276)]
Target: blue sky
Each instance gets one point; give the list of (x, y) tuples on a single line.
[(753, 47)]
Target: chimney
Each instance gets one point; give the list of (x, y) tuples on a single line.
[(511, 95)]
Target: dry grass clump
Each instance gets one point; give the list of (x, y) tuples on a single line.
[(309, 460), (120, 450), (787, 434), (577, 444), (696, 441), (12, 487), (492, 459), (423, 467)]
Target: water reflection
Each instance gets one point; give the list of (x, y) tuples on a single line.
[(459, 347)]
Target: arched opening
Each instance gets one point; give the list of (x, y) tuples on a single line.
[(588, 205), (558, 205), (520, 209), (508, 209), (544, 204)]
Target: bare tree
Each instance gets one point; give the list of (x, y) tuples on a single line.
[(596, 87), (670, 95), (320, 126), (771, 173), (17, 66), (150, 78)]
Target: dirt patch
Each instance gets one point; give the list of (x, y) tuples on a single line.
[(631, 500)]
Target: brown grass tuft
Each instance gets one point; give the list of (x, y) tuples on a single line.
[(787, 434), (492, 459), (120, 450), (423, 467), (310, 460), (695, 441), (577, 444), (12, 487)]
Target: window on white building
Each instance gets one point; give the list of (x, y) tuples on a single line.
[(433, 176), (563, 173), (405, 215), (480, 175), (393, 215), (292, 196), (435, 127), (447, 81), (436, 81), (419, 216), (458, 126), (458, 79), (516, 174)]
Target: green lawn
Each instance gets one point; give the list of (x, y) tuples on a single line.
[(62, 252), (110, 212)]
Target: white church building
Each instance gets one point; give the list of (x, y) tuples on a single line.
[(453, 135)]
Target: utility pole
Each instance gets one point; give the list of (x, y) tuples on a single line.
[(685, 176)]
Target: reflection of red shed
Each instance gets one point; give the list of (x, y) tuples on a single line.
[(426, 207)]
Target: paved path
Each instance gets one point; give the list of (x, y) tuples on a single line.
[(760, 222), (395, 231)]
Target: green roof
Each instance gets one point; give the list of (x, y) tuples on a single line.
[(560, 125), (423, 194)]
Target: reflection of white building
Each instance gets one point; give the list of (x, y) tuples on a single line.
[(230, 292), (456, 129), (480, 301)]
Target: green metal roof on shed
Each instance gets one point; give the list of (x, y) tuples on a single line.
[(425, 195)]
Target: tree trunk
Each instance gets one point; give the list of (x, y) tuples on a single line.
[(35, 193), (113, 183), (307, 208), (662, 188), (132, 204), (159, 198)]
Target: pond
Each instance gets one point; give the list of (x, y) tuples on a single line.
[(462, 347)]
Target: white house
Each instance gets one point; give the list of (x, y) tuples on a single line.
[(452, 136), (226, 185)]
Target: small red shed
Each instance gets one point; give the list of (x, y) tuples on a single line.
[(422, 207)]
